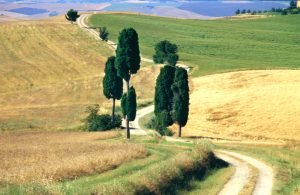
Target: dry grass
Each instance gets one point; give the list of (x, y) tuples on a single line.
[(247, 105), (44, 157), (50, 71)]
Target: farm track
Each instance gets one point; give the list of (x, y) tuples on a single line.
[(241, 162)]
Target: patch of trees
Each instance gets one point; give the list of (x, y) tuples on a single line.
[(171, 100), (291, 10), (72, 15)]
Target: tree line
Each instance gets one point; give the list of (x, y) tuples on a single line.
[(292, 9), (171, 100)]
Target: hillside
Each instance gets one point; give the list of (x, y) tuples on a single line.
[(50, 71), (214, 46), (246, 105)]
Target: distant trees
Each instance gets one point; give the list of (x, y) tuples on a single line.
[(243, 11), (72, 15), (112, 84), (238, 11), (103, 33), (127, 63), (165, 52), (180, 90)]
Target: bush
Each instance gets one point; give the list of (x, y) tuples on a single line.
[(95, 122), (160, 128)]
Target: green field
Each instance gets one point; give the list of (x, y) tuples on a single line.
[(213, 46)]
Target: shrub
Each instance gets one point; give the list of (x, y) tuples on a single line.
[(155, 123), (103, 33), (95, 122)]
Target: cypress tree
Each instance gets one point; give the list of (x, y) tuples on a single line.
[(163, 98), (180, 90), (128, 61), (128, 104), (112, 84)]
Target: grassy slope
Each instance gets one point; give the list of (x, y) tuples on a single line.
[(50, 71), (216, 45)]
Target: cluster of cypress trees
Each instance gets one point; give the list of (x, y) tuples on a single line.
[(125, 64), (171, 90), (171, 100)]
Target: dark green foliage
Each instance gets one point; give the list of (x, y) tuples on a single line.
[(163, 98), (293, 4), (112, 83), (165, 52), (244, 11), (128, 104), (72, 15), (128, 53), (103, 33), (180, 90), (248, 11), (284, 12), (95, 122), (238, 12), (155, 123)]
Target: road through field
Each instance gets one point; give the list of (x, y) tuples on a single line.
[(241, 162)]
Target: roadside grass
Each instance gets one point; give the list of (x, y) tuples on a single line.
[(215, 46), (284, 159), (211, 184)]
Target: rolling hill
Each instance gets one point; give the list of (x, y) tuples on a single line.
[(50, 71), (214, 46)]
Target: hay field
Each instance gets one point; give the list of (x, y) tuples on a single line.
[(45, 157), (50, 71), (247, 105)]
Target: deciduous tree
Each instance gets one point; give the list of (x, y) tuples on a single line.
[(72, 15), (166, 52)]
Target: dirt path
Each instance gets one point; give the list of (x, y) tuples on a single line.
[(241, 176)]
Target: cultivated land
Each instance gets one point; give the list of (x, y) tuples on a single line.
[(213, 46), (50, 71), (46, 157), (246, 105)]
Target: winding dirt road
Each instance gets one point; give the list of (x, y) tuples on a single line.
[(241, 162)]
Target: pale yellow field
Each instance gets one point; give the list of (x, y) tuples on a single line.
[(50, 71), (246, 105), (50, 156)]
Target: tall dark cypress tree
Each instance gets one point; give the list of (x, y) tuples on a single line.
[(128, 62), (163, 98), (180, 90), (128, 104), (112, 84)]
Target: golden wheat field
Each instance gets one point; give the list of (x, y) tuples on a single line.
[(246, 105), (53, 156), (50, 71)]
